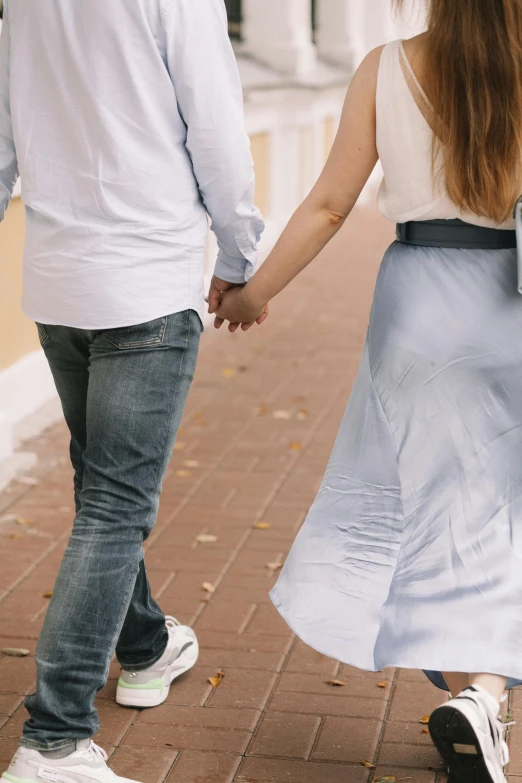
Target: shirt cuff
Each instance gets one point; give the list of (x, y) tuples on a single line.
[(234, 270), (240, 266)]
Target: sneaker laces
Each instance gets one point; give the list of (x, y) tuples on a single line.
[(502, 726), (504, 749), (95, 753)]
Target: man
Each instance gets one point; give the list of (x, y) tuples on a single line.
[(124, 119)]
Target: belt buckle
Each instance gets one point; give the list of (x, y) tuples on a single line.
[(401, 232)]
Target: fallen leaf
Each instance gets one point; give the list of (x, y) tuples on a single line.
[(197, 416), (214, 681), (385, 779), (8, 518), (14, 652), (261, 411), (336, 683), (425, 731), (275, 566), (228, 372), (179, 445), (47, 595), (192, 463), (14, 536), (183, 473), (302, 415), (284, 415), (295, 446), (29, 481), (208, 587), (425, 720), (24, 521), (262, 526), (205, 538), (369, 765), (382, 684)]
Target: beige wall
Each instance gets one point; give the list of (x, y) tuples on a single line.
[(260, 143), (17, 334), (329, 135), (308, 173)]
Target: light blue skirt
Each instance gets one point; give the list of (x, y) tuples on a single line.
[(411, 555)]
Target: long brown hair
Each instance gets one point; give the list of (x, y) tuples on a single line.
[(473, 78)]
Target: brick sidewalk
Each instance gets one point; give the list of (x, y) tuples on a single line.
[(258, 430)]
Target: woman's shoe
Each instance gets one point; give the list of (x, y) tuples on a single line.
[(470, 737), (150, 687)]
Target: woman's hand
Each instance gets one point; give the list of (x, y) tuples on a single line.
[(238, 307)]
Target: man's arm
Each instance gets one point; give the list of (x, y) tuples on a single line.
[(8, 162), (204, 72)]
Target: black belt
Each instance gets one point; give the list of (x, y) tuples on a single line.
[(454, 233)]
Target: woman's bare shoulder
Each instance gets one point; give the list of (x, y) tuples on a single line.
[(369, 68)]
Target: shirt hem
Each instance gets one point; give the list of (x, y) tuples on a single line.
[(121, 324)]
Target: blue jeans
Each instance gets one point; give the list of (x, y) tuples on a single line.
[(123, 392)]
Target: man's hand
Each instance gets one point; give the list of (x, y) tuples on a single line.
[(237, 307), (218, 288)]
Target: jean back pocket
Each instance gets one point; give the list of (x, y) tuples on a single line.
[(138, 336)]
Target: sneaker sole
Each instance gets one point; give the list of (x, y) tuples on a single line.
[(13, 779), (143, 698), (457, 742)]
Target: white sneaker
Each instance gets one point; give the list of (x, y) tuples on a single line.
[(470, 737), (87, 762), (150, 687)]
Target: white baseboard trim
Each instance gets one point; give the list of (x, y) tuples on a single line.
[(25, 388)]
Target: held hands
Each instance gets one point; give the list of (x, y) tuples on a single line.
[(233, 303)]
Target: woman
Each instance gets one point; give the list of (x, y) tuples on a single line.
[(412, 553)]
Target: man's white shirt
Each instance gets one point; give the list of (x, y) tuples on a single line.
[(124, 119)]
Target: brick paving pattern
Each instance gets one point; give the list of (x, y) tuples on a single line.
[(258, 430)]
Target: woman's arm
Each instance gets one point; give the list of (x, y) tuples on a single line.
[(321, 215)]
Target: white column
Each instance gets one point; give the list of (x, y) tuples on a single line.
[(349, 29), (411, 21), (279, 33), (378, 23), (341, 31)]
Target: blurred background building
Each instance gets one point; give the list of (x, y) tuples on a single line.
[(296, 58)]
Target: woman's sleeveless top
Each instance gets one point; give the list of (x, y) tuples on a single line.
[(404, 142)]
